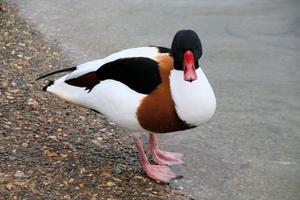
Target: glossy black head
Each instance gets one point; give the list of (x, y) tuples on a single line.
[(186, 50), (185, 40)]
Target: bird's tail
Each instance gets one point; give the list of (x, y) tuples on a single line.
[(56, 72), (69, 92), (51, 82)]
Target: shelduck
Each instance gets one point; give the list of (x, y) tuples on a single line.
[(153, 89)]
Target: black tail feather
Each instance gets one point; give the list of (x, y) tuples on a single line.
[(59, 71)]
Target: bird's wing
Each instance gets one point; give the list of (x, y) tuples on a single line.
[(141, 74)]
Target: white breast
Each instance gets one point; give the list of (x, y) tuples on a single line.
[(195, 101)]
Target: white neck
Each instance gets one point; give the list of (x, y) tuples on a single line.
[(195, 101)]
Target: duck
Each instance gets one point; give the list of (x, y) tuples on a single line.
[(151, 89)]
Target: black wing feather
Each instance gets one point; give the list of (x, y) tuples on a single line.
[(138, 73)]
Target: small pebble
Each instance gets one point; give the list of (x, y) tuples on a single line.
[(9, 186), (110, 184), (19, 174)]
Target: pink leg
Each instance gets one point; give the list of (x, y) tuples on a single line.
[(157, 172), (163, 157)]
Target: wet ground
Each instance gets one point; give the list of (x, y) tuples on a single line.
[(250, 150)]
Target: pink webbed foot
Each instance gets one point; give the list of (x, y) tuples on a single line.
[(163, 157), (166, 158), (160, 173)]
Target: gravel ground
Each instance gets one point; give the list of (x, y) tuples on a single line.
[(50, 149)]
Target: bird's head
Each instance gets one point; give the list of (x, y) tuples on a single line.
[(186, 50)]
